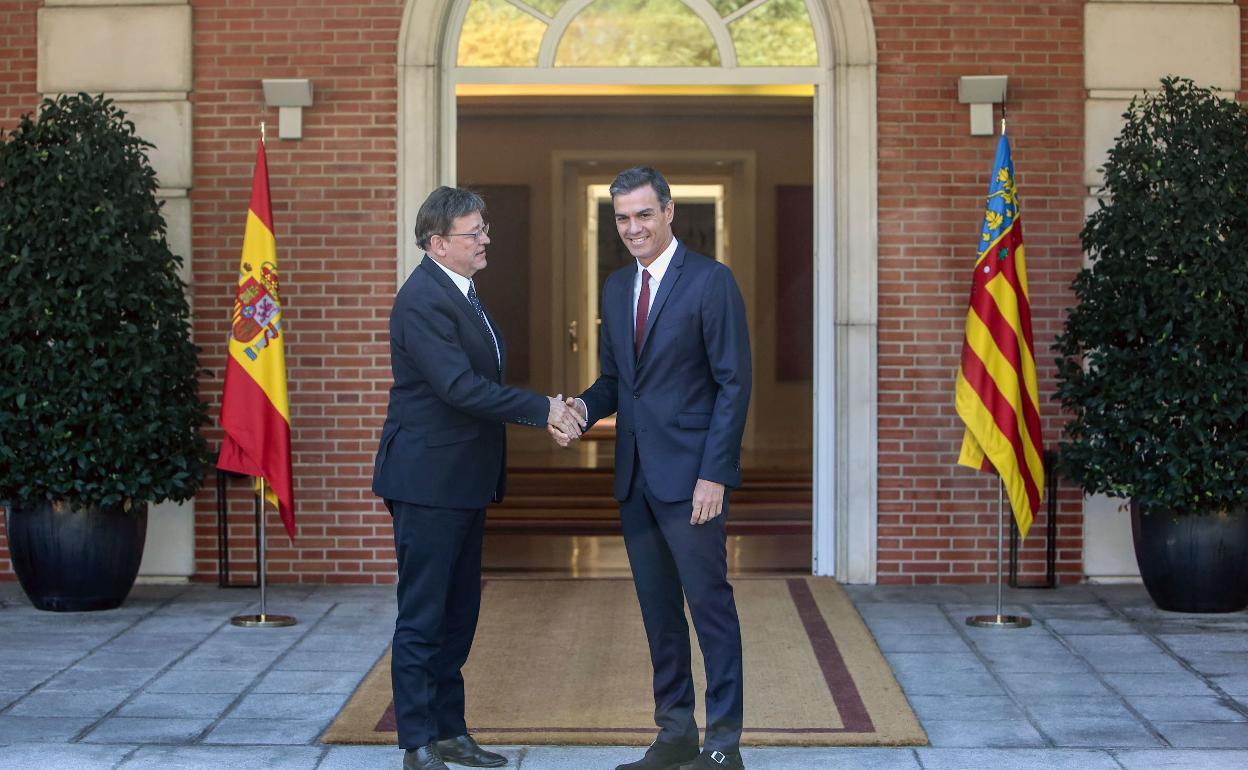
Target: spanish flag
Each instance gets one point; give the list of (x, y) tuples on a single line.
[(255, 411), (996, 388)]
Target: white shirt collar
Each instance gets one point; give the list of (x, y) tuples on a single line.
[(659, 266), (461, 282)]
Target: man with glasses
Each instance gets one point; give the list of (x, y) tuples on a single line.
[(441, 460)]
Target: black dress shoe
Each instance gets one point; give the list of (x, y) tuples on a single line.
[(664, 756), (716, 760), (464, 750), (423, 758)]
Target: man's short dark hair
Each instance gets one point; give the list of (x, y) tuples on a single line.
[(440, 210), (638, 176)]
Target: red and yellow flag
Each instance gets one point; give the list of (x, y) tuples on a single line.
[(255, 411), (996, 390)]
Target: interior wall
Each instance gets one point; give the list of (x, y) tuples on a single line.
[(513, 141)]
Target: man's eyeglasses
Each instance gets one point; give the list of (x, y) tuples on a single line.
[(476, 235)]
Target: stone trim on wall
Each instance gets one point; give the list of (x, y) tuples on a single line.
[(138, 52), (1129, 45)]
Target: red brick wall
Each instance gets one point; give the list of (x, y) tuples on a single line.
[(334, 210), (937, 521), (333, 197), (334, 215), (17, 61), (17, 97)]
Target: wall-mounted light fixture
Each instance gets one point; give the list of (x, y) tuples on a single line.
[(981, 92), (290, 96)]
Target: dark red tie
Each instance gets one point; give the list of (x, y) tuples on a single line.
[(643, 310)]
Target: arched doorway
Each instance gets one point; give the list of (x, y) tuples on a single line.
[(842, 76)]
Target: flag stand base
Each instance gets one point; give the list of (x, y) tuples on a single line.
[(262, 621), (999, 620)]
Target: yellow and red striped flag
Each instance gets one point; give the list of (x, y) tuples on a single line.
[(255, 410), (996, 389)]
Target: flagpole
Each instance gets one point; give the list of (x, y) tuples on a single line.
[(264, 619), (263, 562), (998, 620), (253, 459)]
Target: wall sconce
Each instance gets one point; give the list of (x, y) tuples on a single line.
[(981, 92), (290, 96)]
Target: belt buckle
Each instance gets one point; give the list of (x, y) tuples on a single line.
[(719, 757)]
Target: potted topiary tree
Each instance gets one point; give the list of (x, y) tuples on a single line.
[(99, 405), (1154, 358)]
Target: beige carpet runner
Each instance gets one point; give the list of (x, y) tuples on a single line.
[(566, 662)]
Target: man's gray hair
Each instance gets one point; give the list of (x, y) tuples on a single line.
[(639, 176), (440, 210)]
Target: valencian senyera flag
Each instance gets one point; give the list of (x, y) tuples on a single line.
[(255, 411), (996, 388)]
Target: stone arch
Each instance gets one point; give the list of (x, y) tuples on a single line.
[(846, 247)]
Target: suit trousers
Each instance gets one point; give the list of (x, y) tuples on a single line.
[(439, 598), (673, 560)]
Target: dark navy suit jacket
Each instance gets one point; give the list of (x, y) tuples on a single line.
[(443, 444), (681, 405)]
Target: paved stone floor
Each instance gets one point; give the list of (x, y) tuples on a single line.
[(1103, 680)]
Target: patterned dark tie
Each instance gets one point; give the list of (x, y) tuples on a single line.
[(476, 304), (643, 312)]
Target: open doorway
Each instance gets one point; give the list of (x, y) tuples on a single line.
[(444, 57), (741, 169)]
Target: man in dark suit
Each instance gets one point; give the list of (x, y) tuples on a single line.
[(675, 358), (441, 459)]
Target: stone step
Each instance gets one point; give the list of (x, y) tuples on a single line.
[(582, 501)]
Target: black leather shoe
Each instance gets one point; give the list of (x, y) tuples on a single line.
[(423, 758), (715, 760), (464, 750), (664, 756)]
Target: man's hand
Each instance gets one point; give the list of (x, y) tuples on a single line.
[(579, 412), (708, 501), (563, 423), (560, 438)]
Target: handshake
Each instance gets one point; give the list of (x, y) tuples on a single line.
[(567, 419)]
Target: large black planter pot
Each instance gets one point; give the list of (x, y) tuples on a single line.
[(74, 561), (1193, 563)]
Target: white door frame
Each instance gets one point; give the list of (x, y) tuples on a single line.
[(846, 243)]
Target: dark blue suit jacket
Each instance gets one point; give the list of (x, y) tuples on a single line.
[(443, 444), (681, 405)]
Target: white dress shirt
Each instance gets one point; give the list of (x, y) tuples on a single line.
[(462, 284), (657, 269), (460, 281)]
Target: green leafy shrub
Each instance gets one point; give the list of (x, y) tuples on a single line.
[(1154, 358), (98, 391)]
